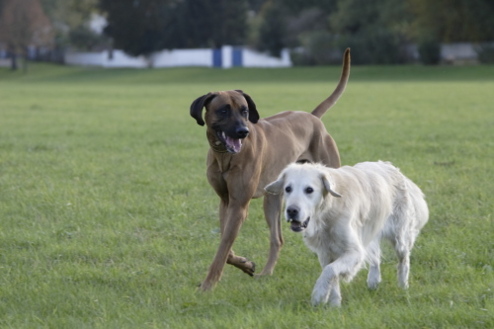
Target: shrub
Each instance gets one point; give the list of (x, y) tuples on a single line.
[(370, 47), (429, 51), (376, 47), (485, 53)]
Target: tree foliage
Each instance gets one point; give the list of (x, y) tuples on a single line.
[(70, 19), (141, 27), (23, 23), (138, 26), (377, 31), (318, 30), (272, 30), (453, 20), (211, 23)]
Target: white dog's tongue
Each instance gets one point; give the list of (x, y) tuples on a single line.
[(233, 144)]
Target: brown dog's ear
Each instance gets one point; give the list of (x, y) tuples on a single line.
[(327, 186), (197, 106), (253, 114)]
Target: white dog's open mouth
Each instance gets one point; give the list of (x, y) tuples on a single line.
[(232, 145), (297, 226)]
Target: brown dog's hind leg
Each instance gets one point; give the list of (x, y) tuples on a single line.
[(272, 212)]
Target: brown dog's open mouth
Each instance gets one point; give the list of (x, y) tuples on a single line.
[(232, 145), (297, 226)]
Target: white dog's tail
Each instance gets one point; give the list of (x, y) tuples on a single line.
[(340, 88), (419, 203)]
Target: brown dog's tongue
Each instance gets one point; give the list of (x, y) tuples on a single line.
[(233, 144)]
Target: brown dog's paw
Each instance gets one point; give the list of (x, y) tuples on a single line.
[(247, 266), (250, 268), (242, 263)]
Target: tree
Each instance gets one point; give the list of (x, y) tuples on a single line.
[(70, 20), (294, 24), (272, 30), (210, 23), (453, 20), (376, 30), (295, 7), (230, 22), (23, 23), (139, 27)]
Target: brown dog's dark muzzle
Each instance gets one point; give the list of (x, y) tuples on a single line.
[(232, 138), (242, 132)]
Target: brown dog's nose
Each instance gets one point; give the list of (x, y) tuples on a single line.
[(242, 132)]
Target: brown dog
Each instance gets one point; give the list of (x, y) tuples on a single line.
[(247, 153)]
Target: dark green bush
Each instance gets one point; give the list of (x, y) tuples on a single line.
[(485, 53), (370, 47), (429, 51), (376, 47)]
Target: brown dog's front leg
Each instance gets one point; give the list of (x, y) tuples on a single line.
[(234, 217)]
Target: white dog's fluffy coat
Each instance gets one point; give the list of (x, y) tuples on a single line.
[(343, 214)]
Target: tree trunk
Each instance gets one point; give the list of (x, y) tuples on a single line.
[(13, 61), (110, 49), (25, 61)]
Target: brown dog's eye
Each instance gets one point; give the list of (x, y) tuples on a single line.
[(245, 112), (223, 111), (309, 190)]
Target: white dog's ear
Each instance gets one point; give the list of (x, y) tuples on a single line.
[(327, 186), (275, 187)]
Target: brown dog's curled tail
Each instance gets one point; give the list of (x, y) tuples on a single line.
[(340, 88)]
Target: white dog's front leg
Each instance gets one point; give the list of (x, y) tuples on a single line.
[(324, 286), (327, 286), (335, 294)]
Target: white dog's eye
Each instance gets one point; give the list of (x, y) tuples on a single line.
[(309, 190), (288, 189)]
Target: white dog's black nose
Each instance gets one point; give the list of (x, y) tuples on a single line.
[(292, 212)]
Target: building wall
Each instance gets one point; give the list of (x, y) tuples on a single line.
[(226, 57)]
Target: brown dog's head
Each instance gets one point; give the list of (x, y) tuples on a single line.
[(227, 114)]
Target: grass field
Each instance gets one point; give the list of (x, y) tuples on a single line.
[(107, 220)]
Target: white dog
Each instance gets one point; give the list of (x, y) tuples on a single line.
[(374, 200)]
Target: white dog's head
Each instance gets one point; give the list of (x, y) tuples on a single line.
[(304, 187)]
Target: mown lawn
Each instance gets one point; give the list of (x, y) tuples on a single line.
[(107, 220)]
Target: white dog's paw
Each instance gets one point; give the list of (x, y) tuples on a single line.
[(373, 282), (374, 277), (335, 301), (403, 284), (319, 297)]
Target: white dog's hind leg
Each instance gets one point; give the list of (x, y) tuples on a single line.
[(404, 238), (374, 260), (403, 269)]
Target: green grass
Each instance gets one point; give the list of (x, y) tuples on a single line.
[(107, 220)]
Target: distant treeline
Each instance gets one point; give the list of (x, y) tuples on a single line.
[(379, 31)]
